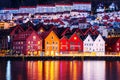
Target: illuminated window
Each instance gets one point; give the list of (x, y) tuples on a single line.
[(34, 37), (41, 30), (117, 44), (31, 42), (28, 52), (21, 42), (28, 42), (28, 47), (38, 47), (75, 38), (117, 49), (38, 42)]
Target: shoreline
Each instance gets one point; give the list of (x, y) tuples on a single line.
[(45, 58)]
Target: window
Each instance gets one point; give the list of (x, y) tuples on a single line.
[(34, 37), (21, 42), (75, 38), (28, 42), (47, 43), (56, 42), (117, 49), (88, 40), (31, 42), (38, 42), (21, 47), (53, 42), (53, 47), (28, 47), (117, 44), (56, 48), (99, 40), (52, 37), (38, 47)]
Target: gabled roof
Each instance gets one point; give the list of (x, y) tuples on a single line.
[(22, 36), (26, 25), (77, 30), (46, 33), (14, 29), (94, 37)]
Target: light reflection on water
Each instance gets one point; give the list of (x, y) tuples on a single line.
[(59, 70)]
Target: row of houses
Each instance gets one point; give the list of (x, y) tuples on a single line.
[(48, 8), (30, 39)]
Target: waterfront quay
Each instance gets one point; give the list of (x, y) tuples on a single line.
[(61, 57)]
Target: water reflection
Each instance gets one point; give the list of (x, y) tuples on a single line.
[(94, 70), (59, 70), (8, 71)]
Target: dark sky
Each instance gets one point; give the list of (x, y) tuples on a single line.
[(17, 3)]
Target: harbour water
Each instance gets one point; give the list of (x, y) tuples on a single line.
[(60, 70)]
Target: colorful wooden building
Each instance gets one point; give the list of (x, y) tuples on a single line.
[(113, 44), (28, 43), (64, 44), (51, 43), (75, 43)]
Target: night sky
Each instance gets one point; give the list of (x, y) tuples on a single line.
[(17, 3)]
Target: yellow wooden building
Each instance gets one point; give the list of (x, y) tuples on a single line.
[(52, 44)]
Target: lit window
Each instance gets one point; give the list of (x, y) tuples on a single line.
[(34, 37), (117, 44), (28, 52), (38, 42), (117, 49), (38, 47), (75, 38), (28, 42), (41, 30), (28, 47), (21, 47), (31, 42), (21, 42)]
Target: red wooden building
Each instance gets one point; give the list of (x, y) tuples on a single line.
[(75, 43), (64, 45), (113, 44), (28, 43)]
